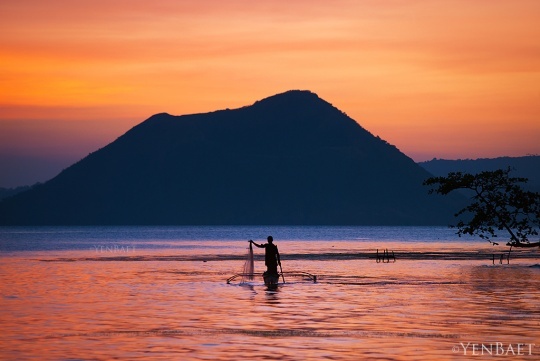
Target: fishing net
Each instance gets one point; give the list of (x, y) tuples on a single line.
[(247, 273)]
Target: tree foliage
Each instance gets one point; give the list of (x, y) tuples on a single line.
[(498, 203)]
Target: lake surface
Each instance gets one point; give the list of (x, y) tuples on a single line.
[(160, 293)]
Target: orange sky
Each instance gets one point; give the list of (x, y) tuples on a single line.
[(445, 79)]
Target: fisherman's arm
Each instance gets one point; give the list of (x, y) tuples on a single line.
[(256, 245)]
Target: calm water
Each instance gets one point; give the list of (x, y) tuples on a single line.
[(160, 293)]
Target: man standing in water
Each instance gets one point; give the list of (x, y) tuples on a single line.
[(271, 256)]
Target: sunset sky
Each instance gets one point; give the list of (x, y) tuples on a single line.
[(445, 79)]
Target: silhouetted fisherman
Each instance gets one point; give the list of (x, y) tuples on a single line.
[(271, 256)]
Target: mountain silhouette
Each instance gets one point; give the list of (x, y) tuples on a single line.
[(524, 167), (288, 159)]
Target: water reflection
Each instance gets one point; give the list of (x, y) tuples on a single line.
[(272, 294), (358, 309)]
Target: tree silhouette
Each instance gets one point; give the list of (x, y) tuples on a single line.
[(498, 203)]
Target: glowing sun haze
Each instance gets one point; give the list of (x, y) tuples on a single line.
[(446, 79)]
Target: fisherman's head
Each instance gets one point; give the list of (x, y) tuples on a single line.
[(270, 239)]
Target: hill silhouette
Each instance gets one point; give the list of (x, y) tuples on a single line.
[(291, 158), (526, 167)]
